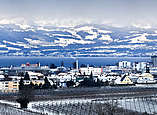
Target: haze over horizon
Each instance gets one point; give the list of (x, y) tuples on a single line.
[(69, 12)]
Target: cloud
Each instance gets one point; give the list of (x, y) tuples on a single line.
[(71, 12)]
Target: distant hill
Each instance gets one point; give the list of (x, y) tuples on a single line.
[(81, 40)]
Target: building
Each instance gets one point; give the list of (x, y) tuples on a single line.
[(154, 60), (35, 75), (124, 64), (35, 82), (108, 69), (94, 70), (30, 65), (153, 70), (9, 86), (14, 71), (140, 66), (146, 78), (125, 80)]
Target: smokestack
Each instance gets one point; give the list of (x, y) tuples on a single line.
[(77, 65)]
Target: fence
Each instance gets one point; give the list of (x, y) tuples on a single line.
[(104, 106)]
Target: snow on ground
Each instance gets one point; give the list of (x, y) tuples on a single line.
[(138, 104), (35, 43), (43, 29), (59, 35), (49, 50), (134, 104), (66, 42), (104, 50), (106, 38), (4, 51), (141, 39), (2, 46), (63, 101), (136, 46), (91, 37), (74, 33), (10, 103), (16, 44), (84, 48), (13, 108), (89, 29), (12, 48)]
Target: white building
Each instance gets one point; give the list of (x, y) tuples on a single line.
[(153, 70), (124, 64), (125, 80), (108, 69), (146, 78), (139, 66), (35, 75), (9, 86), (154, 60), (94, 70)]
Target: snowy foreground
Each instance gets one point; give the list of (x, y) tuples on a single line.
[(117, 106), (122, 104), (11, 108), (98, 106)]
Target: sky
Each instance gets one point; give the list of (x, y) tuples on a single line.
[(114, 12)]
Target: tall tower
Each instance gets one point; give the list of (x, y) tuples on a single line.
[(154, 60), (147, 69), (77, 65)]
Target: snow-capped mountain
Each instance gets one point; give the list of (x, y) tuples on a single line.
[(82, 40)]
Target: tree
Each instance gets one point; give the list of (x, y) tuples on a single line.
[(31, 85), (46, 84), (6, 78), (106, 83), (74, 65), (21, 84), (53, 66), (23, 102), (99, 82), (92, 65), (62, 64), (83, 65), (26, 77), (147, 69), (21, 74), (91, 75), (54, 86), (87, 82), (25, 94), (70, 83)]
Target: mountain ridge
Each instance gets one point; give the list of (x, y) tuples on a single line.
[(78, 41)]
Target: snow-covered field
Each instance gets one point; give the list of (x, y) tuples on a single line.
[(11, 108), (84, 106), (148, 105), (89, 106)]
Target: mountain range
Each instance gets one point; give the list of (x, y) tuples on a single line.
[(90, 40)]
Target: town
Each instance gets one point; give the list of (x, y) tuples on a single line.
[(125, 73)]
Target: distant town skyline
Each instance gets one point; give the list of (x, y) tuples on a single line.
[(64, 12)]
